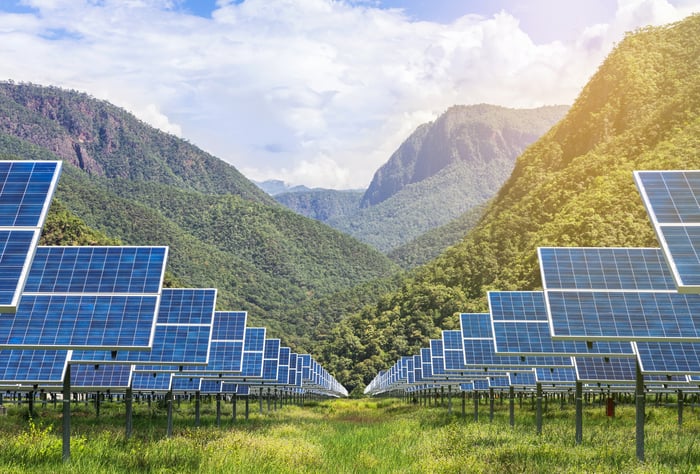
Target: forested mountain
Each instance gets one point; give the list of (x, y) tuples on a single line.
[(321, 204), (134, 183), (441, 171), (273, 187), (574, 186)]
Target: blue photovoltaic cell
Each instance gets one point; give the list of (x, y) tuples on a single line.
[(668, 358), (182, 334), (32, 366), (16, 249), (229, 326), (427, 363), (254, 340), (557, 375), (87, 322), (224, 357), (530, 334), (605, 370), (523, 378), (185, 384), (103, 376), (499, 382), (624, 316), (271, 359), (590, 268), (92, 270), (480, 384), (229, 387), (672, 199), (26, 189), (517, 306), (453, 350), (210, 386), (156, 382), (480, 351), (187, 306), (476, 325), (69, 312)]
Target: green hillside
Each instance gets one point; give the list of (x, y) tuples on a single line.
[(574, 186), (222, 230)]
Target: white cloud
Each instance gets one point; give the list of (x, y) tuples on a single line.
[(310, 91)]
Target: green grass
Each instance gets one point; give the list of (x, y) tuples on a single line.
[(348, 436)]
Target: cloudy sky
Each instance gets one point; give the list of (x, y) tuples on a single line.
[(315, 92)]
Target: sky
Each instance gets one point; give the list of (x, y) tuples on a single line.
[(315, 92)]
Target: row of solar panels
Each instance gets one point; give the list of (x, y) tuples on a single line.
[(603, 314), (103, 312)]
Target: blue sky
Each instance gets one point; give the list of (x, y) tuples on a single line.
[(315, 92)]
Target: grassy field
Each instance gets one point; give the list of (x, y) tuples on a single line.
[(348, 436)]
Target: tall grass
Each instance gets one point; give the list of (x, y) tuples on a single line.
[(347, 436)]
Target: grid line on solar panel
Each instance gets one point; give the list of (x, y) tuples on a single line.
[(97, 270), (229, 326), (529, 334), (176, 341), (26, 189), (668, 358), (32, 366), (624, 316), (597, 268), (672, 202), (113, 320), (102, 377), (151, 382), (605, 370)]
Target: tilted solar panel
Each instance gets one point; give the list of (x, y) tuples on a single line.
[(666, 358), (61, 308), (528, 333), (182, 334), (480, 351), (100, 377), (605, 370), (155, 382), (32, 366), (26, 189), (672, 199), (620, 294)]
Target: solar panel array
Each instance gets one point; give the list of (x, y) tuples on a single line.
[(103, 312), (672, 199), (604, 310)]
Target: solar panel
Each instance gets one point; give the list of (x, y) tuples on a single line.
[(521, 326), (605, 370), (555, 375), (624, 315), (623, 294), (182, 335), (271, 356), (672, 199), (185, 384), (667, 358), (598, 268), (26, 189), (88, 298), (32, 366), (100, 377), (155, 382), (523, 379), (480, 351)]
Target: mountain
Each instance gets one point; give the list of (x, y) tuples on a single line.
[(273, 187), (321, 204), (442, 170), (573, 187), (131, 182)]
